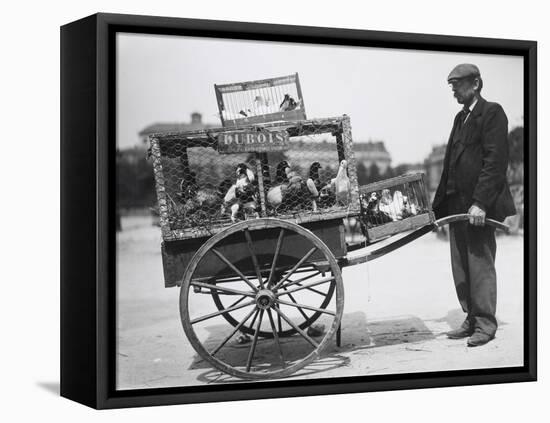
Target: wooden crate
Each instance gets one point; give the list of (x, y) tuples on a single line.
[(400, 216)]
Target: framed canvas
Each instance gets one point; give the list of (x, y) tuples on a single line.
[(224, 183)]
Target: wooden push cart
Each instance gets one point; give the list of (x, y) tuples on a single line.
[(267, 279)]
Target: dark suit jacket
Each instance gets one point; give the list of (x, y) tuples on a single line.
[(479, 162)]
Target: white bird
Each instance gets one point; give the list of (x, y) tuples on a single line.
[(398, 204), (341, 185)]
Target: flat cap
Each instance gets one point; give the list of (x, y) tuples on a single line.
[(462, 71)]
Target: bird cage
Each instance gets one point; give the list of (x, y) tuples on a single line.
[(208, 179), (260, 101), (394, 205)]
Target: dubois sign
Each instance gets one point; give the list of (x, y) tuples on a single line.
[(252, 141)]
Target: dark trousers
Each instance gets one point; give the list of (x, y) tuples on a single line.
[(473, 250)]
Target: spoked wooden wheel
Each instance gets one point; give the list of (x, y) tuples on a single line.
[(324, 293), (280, 289)]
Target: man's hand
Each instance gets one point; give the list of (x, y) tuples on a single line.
[(477, 215)]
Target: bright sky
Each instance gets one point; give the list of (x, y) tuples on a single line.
[(398, 96)]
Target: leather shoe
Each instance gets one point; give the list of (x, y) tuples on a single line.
[(479, 338), (459, 333)]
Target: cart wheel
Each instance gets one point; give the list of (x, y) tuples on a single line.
[(324, 293), (275, 297)]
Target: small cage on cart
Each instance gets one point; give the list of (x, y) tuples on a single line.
[(394, 205), (261, 101)]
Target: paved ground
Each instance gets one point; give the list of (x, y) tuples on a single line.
[(397, 309)]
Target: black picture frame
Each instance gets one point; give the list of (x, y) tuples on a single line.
[(88, 215)]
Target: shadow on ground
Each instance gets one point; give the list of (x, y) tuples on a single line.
[(357, 334), (51, 387), (455, 318)]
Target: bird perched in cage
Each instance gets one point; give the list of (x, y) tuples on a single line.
[(246, 113), (224, 186), (341, 185), (290, 190), (387, 205), (323, 194), (398, 204), (241, 196), (403, 205), (300, 193), (370, 206), (277, 192), (202, 202), (314, 184), (261, 105), (314, 179), (327, 196), (288, 104), (187, 187), (208, 199)]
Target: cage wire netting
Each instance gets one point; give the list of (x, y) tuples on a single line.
[(204, 188)]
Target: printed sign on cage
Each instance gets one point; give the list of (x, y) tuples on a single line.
[(252, 141)]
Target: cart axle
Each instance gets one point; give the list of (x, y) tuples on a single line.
[(265, 299)]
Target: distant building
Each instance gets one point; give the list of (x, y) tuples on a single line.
[(372, 152), (195, 125), (434, 167)]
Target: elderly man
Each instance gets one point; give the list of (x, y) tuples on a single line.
[(474, 182)]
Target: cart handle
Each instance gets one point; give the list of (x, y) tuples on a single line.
[(465, 216), (388, 248)]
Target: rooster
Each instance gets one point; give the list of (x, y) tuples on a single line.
[(242, 194)]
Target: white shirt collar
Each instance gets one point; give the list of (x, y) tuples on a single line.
[(471, 107)]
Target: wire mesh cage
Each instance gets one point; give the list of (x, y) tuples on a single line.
[(394, 205), (208, 179), (260, 101)]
